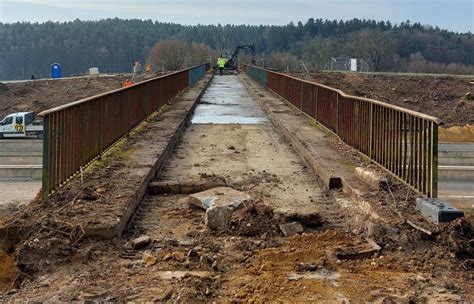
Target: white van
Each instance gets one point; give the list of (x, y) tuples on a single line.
[(21, 124)]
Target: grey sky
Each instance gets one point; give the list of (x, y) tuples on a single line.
[(456, 15)]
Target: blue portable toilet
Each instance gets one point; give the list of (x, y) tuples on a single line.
[(56, 70)]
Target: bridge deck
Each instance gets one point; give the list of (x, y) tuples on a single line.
[(232, 139)]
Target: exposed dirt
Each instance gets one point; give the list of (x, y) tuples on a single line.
[(40, 95), (457, 134), (187, 263), (439, 96)]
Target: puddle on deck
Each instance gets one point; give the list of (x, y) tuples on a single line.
[(227, 101)]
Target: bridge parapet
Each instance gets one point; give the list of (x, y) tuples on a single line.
[(77, 133), (401, 141)]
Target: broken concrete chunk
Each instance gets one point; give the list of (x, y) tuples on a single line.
[(290, 229), (372, 178), (437, 210), (220, 196), (218, 217), (141, 241)]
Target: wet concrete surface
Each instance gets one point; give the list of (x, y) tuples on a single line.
[(226, 101)]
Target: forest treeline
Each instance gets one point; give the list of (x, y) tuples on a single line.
[(114, 44)]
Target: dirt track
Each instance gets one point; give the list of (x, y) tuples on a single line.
[(439, 96), (251, 261)]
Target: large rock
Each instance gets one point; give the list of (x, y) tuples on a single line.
[(219, 204)]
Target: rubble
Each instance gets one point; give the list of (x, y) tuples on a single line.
[(290, 229), (218, 197), (255, 219), (218, 217), (219, 204), (310, 220), (141, 241)]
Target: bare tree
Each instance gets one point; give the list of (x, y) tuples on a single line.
[(375, 45), (283, 61), (169, 53), (222, 38), (199, 53)]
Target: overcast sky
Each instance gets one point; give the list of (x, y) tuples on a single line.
[(455, 15)]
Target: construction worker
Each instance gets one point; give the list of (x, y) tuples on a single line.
[(127, 83), (220, 65)]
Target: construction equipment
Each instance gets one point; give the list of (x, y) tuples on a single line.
[(22, 124), (232, 59)]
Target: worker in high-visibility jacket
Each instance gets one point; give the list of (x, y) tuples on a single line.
[(220, 65), (127, 83)]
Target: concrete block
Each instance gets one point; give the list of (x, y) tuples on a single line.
[(220, 196), (439, 211)]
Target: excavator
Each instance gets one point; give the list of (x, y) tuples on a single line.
[(233, 58)]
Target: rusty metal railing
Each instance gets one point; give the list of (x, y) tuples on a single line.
[(77, 133), (401, 141)]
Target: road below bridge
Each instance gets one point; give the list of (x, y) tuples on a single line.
[(291, 239), (20, 171)]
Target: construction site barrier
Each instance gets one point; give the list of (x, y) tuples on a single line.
[(77, 133), (402, 142)]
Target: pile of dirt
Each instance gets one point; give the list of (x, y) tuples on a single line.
[(439, 96), (52, 241), (457, 134), (458, 238), (8, 272), (40, 95), (254, 219)]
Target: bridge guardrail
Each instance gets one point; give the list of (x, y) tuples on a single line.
[(77, 133), (402, 142)]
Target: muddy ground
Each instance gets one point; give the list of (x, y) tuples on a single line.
[(439, 96), (40, 95)]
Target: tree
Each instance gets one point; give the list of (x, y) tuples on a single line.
[(283, 61), (170, 53), (319, 51), (114, 44), (199, 53), (374, 45)]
